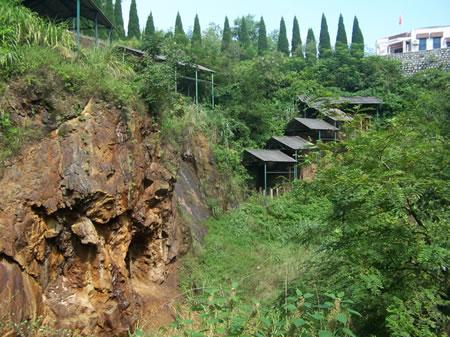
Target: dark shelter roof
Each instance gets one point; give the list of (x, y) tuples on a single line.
[(316, 124), (273, 156), (66, 9), (294, 142)]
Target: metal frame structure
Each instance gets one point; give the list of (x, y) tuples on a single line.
[(61, 10)]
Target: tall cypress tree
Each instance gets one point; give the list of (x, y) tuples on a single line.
[(262, 37), (133, 23), (197, 33), (118, 19), (311, 46), (297, 48), (341, 37), (226, 37), (109, 10), (243, 36), (283, 43), (150, 30), (357, 46), (180, 35), (324, 39)]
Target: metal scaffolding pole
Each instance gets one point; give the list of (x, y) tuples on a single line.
[(212, 90), (196, 85), (265, 178), (96, 29), (78, 24)]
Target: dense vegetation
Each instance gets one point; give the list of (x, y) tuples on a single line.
[(361, 250)]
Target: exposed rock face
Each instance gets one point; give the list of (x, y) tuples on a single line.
[(87, 224)]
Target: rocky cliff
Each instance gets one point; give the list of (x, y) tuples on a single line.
[(88, 224)]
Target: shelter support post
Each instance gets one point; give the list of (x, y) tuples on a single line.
[(320, 135), (96, 30), (196, 85), (212, 90), (110, 37), (296, 165), (265, 178), (176, 84), (78, 24)]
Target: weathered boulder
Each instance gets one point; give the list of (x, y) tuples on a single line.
[(86, 215)]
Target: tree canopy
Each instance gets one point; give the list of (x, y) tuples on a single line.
[(262, 37), (341, 37), (324, 40), (283, 43), (197, 33), (297, 48), (226, 35), (134, 31), (311, 46), (118, 19), (357, 46)]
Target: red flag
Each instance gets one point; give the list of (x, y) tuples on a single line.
[(400, 20)]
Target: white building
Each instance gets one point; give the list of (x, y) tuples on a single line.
[(418, 39)]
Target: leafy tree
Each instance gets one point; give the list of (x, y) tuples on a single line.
[(150, 30), (179, 35), (226, 37), (297, 48), (118, 19), (283, 43), (243, 36), (324, 40), (262, 37), (311, 46), (357, 46), (133, 24), (109, 10), (197, 33), (341, 37)]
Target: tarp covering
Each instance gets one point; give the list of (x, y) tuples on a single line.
[(61, 10)]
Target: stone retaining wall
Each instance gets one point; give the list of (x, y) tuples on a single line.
[(416, 61)]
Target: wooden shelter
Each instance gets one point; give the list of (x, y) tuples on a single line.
[(269, 167), (294, 146), (312, 129), (63, 10)]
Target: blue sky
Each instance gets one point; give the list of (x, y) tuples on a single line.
[(377, 18)]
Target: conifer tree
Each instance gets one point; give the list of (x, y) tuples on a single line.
[(283, 43), (311, 46), (180, 35), (324, 39), (109, 10), (226, 37), (357, 46), (118, 19), (262, 37), (133, 24), (341, 37), (197, 33), (297, 48), (243, 36), (149, 31)]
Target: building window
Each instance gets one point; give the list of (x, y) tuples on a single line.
[(448, 43), (422, 44), (436, 42)]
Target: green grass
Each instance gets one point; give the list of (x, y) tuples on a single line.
[(258, 245)]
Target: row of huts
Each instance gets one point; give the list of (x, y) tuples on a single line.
[(319, 120)]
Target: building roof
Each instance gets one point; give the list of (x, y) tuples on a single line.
[(274, 156), (66, 9), (316, 124), (294, 142)]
